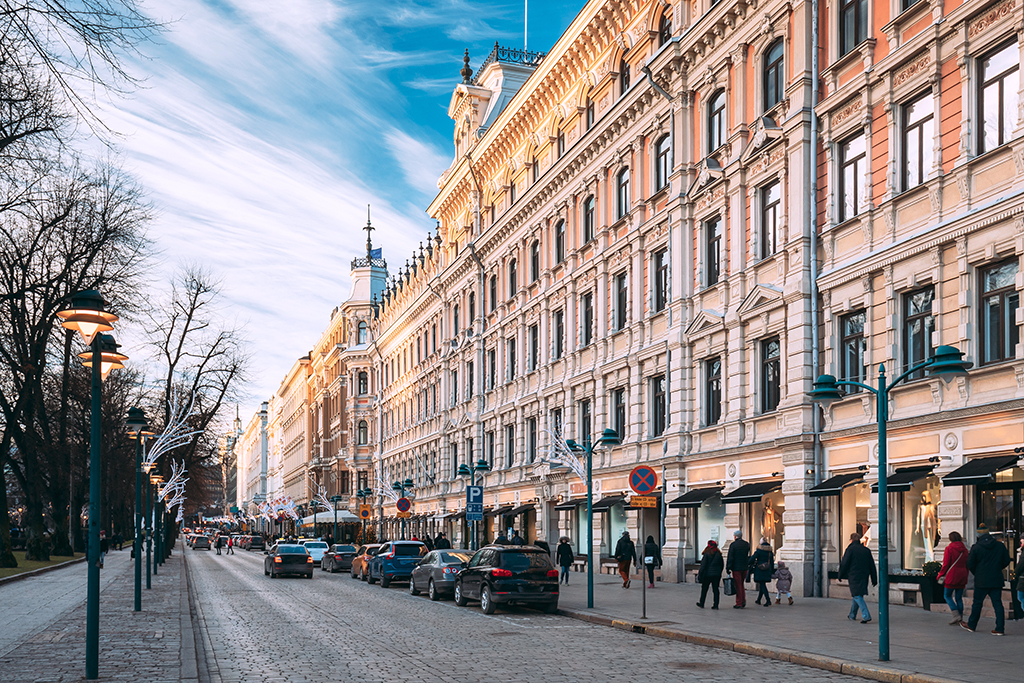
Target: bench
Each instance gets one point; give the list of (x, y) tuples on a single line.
[(580, 563), (609, 566)]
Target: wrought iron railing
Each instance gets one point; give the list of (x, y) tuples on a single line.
[(509, 55), (364, 262)]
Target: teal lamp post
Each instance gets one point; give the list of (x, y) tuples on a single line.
[(947, 364), (138, 426), (465, 471), (608, 438)]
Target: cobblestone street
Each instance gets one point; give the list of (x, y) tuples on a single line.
[(336, 628)]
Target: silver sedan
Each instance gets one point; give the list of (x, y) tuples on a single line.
[(436, 572)]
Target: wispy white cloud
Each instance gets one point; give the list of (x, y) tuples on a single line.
[(421, 163)]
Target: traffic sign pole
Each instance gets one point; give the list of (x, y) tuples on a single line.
[(643, 480)]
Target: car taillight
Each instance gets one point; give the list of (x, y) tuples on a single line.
[(278, 560), (389, 556), (552, 573), (309, 559), (503, 573)]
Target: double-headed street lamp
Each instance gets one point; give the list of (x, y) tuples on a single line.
[(362, 495), (946, 363), (466, 471), (608, 438), (138, 426), (87, 317), (334, 503), (401, 486)]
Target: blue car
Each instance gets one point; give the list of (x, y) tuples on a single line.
[(395, 561)]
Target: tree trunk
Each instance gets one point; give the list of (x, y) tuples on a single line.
[(7, 558)]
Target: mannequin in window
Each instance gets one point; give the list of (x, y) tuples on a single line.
[(928, 524), (768, 522)]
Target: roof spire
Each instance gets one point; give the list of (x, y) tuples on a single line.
[(368, 228), (467, 71)]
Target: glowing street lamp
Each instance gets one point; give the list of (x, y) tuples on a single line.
[(138, 426)]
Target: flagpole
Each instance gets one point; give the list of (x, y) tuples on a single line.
[(526, 22)]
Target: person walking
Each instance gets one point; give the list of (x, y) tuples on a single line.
[(987, 560), (104, 547), (429, 542), (857, 567), (231, 546), (783, 583), (653, 551), (1018, 571), (762, 563), (625, 553), (737, 562), (517, 539), (953, 576), (502, 539), (565, 557), (442, 542), (712, 564), (219, 543)]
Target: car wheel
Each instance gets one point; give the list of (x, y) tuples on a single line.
[(551, 608), (487, 605), (352, 572), (310, 574), (432, 591), (265, 572), (413, 590), (273, 574), (460, 600), (385, 582), (369, 578)]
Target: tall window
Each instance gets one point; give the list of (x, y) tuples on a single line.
[(590, 112), (455, 387), (851, 176), (364, 383), (585, 421), (621, 300), (455, 320), (511, 192), (713, 250), (587, 319), (510, 445), (531, 438), (533, 333), (513, 279), (493, 292), (774, 75), (623, 76), (510, 357), (560, 242), (918, 325), (559, 331), (492, 368), (851, 347), (362, 333), (433, 338), (665, 27), (469, 380), (362, 433), (622, 193), (853, 24), (658, 405), (771, 198), (659, 265), (662, 158), (712, 391), (556, 421), (561, 143), (999, 81), (489, 437), (535, 261), (716, 121), (918, 140), (534, 170), (771, 374), (455, 459), (472, 309), (588, 219), (999, 300), (619, 412)]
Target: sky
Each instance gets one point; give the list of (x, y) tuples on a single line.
[(263, 128)]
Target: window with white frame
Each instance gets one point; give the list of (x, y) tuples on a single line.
[(492, 368), (771, 374), (662, 161), (716, 121), (362, 433), (918, 325), (659, 262), (621, 300), (918, 139), (659, 405), (510, 358), (510, 445), (852, 346), (560, 241), (531, 438), (712, 391), (588, 219), (619, 412), (852, 162), (853, 24), (558, 330), (1000, 299), (712, 250), (771, 202), (622, 193), (535, 261), (513, 279), (587, 318), (998, 83), (533, 338), (773, 74)]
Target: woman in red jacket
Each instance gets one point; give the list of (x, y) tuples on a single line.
[(954, 569)]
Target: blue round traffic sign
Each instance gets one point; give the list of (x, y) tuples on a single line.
[(643, 480), (403, 504)]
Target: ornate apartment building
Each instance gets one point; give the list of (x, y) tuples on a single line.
[(661, 227)]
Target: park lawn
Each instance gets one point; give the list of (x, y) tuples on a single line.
[(26, 566)]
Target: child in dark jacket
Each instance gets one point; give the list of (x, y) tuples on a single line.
[(783, 583)]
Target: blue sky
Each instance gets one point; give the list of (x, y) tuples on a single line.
[(264, 128)]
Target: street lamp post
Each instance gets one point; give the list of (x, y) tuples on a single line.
[(149, 531), (155, 479), (401, 486), (608, 438), (137, 425), (946, 363), (334, 502), (465, 471), (362, 495), (87, 317)]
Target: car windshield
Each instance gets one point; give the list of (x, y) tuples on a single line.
[(344, 548), (291, 549), (521, 561), (455, 557), (408, 549), (316, 545)]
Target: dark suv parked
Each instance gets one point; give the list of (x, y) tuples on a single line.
[(510, 575), (395, 562)]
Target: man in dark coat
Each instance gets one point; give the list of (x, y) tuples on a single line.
[(625, 553), (566, 557), (442, 542), (737, 562), (857, 567), (710, 572), (987, 560), (502, 539), (517, 539)]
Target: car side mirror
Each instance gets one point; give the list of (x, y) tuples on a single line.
[(464, 565)]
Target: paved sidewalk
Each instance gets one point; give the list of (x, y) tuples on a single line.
[(42, 626), (921, 642)]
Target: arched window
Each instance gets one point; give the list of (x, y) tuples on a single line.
[(513, 278), (665, 27), (361, 333), (623, 76), (535, 261), (716, 121), (662, 165), (560, 242), (364, 383), (622, 192), (774, 76), (590, 112), (362, 433), (588, 219)]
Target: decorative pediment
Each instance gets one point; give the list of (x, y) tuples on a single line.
[(763, 133), (760, 298), (704, 323), (709, 171)]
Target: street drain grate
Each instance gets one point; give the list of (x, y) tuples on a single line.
[(689, 665)]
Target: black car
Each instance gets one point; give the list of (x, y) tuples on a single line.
[(287, 558), (436, 572), (255, 543), (509, 575), (338, 558)]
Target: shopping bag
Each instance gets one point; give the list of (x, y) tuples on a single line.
[(728, 587)]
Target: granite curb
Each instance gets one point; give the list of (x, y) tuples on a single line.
[(870, 671), (41, 570), (189, 653)]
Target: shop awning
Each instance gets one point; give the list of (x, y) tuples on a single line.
[(519, 510), (497, 512), (903, 478), (656, 494), (606, 504), (458, 515), (752, 493), (571, 504), (979, 470), (328, 517), (835, 485), (694, 498)]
